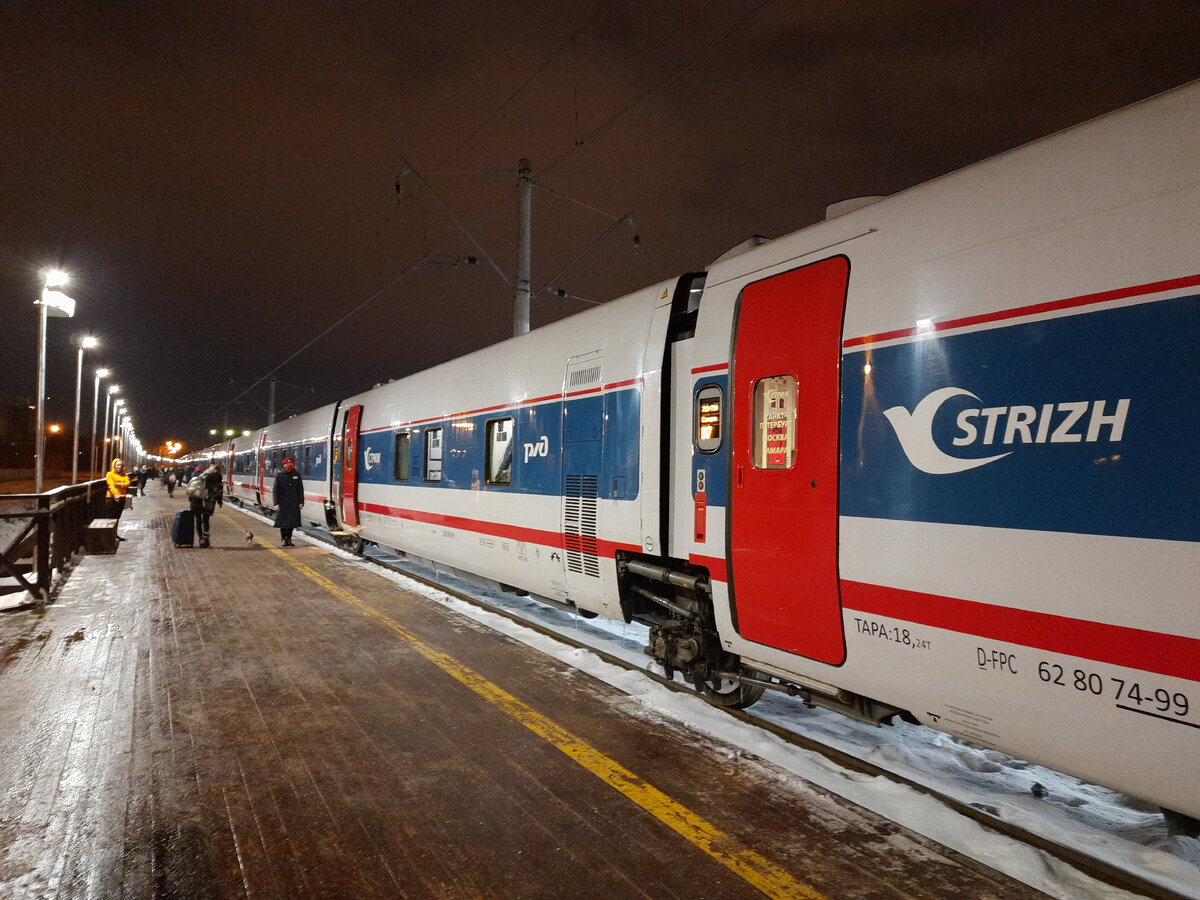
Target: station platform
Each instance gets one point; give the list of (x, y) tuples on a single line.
[(255, 721)]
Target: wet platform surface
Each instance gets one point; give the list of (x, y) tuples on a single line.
[(248, 721)]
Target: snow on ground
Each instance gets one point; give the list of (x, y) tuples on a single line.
[(1126, 832)]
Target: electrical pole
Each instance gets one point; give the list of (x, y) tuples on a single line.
[(521, 306)]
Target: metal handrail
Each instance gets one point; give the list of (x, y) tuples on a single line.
[(55, 532)]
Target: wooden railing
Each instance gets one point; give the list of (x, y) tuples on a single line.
[(40, 533)]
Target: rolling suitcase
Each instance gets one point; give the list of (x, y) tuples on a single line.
[(183, 531)]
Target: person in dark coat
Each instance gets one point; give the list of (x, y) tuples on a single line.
[(204, 496), (288, 497)]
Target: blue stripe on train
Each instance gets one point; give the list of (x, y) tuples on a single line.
[(599, 433), (1134, 473)]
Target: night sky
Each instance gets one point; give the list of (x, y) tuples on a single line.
[(219, 178)]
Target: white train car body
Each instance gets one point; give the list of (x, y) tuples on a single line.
[(257, 457), (978, 496), (529, 463), (937, 456)]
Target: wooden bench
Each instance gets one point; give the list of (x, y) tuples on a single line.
[(101, 536)]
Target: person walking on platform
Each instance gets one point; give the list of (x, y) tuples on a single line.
[(171, 479), (205, 494), (288, 497), (118, 488)]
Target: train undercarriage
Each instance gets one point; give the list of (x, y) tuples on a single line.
[(675, 602)]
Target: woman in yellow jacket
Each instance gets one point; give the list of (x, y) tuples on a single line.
[(118, 487)]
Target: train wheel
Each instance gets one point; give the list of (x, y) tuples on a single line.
[(1181, 825), (728, 692)]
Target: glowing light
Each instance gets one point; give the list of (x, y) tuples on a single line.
[(55, 429), (56, 278)]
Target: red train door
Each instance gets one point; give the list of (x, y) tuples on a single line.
[(783, 501), (350, 466), (229, 471), (262, 469)]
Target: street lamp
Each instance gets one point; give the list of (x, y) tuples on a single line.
[(100, 373), (112, 389), (57, 304), (119, 438), (85, 343), (114, 429)]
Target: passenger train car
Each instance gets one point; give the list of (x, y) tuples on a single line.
[(935, 457)]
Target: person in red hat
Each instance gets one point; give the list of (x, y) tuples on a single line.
[(288, 497)]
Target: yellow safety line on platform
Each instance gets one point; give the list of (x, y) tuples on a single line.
[(755, 869)]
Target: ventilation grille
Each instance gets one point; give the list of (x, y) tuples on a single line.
[(579, 525), (584, 377)]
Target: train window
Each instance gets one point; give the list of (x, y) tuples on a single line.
[(775, 422), (709, 404), (499, 451), (402, 459), (433, 454), (308, 460)]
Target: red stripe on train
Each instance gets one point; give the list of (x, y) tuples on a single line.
[(1150, 651), (546, 538), (1035, 309)]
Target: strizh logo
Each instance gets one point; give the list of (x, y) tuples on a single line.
[(374, 459), (1055, 423)]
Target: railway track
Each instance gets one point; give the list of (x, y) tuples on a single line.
[(577, 633)]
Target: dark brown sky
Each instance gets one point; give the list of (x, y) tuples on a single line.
[(233, 164)]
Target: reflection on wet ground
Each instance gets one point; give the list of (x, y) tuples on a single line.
[(215, 723)]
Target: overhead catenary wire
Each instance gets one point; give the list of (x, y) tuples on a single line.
[(577, 144), (645, 95), (375, 296), (524, 84)]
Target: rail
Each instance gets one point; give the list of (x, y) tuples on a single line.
[(41, 533)]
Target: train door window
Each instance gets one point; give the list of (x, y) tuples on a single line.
[(307, 460), (433, 454), (499, 451), (710, 402), (775, 422), (402, 459)]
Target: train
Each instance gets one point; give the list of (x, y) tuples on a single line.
[(935, 457)]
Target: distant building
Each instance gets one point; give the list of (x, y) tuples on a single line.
[(18, 428)]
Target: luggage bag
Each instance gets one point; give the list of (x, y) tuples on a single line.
[(183, 531)]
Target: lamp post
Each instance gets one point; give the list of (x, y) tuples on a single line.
[(57, 304), (100, 373), (113, 429), (112, 389), (85, 343)]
